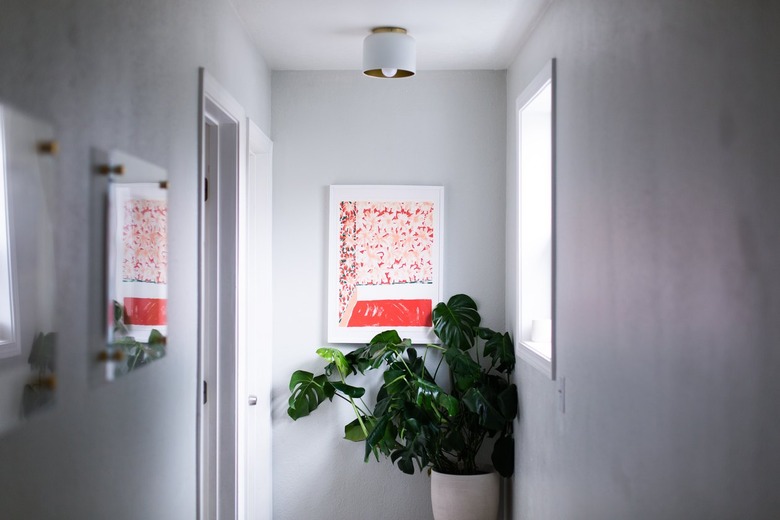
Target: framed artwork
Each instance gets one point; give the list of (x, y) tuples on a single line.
[(385, 261), (137, 256)]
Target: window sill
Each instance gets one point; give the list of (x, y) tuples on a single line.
[(533, 353), (9, 348)]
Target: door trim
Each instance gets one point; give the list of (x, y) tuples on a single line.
[(218, 109)]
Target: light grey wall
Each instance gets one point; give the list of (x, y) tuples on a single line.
[(668, 264), (438, 128), (119, 75)]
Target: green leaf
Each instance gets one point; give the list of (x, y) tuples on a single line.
[(135, 357), (455, 322), (412, 448), (376, 435), (352, 391), (387, 347), (395, 381), (451, 404), (354, 431), (336, 357), (453, 440), (405, 462), (503, 456), (386, 337), (119, 319), (501, 350), (427, 393), (156, 338), (507, 402), (430, 394), (359, 359), (489, 416), (465, 370), (307, 393)]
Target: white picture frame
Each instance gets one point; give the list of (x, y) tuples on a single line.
[(385, 261)]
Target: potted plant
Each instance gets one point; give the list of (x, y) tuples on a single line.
[(416, 421)]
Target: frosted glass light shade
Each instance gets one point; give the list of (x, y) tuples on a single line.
[(388, 52)]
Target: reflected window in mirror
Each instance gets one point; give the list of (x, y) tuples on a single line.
[(28, 284), (9, 346)]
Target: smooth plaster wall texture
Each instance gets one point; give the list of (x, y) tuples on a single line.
[(119, 75), (438, 128), (668, 264)]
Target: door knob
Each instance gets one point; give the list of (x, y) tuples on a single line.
[(252, 400)]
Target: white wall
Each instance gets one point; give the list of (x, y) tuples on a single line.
[(438, 128), (119, 75), (668, 264)]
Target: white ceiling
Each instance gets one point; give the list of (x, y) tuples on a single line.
[(450, 34)]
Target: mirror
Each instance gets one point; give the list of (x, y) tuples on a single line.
[(136, 263), (27, 272)]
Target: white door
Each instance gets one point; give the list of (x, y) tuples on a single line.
[(255, 376)]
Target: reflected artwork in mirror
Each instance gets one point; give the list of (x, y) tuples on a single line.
[(28, 285), (136, 254)]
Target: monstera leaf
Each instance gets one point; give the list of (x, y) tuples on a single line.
[(490, 417), (456, 321), (307, 393), (383, 348), (465, 371), (336, 359), (358, 430), (503, 456), (500, 349), (430, 396)]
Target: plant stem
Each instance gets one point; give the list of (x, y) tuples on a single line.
[(359, 418), (354, 407), (436, 372)]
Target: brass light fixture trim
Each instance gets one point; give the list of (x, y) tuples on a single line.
[(376, 30)]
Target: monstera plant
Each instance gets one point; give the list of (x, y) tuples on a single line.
[(436, 404)]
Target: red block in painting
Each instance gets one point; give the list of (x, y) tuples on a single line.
[(146, 311), (392, 313)]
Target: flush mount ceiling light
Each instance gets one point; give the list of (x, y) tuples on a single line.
[(388, 52)]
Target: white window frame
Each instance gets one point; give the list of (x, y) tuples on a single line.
[(535, 335)]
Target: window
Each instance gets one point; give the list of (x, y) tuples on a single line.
[(536, 255)]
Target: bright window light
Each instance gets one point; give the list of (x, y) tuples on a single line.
[(535, 226)]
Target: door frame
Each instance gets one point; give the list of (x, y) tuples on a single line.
[(218, 325)]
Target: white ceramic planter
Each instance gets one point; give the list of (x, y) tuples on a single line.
[(465, 497)]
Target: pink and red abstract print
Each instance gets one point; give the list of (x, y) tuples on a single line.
[(383, 243), (145, 239)]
